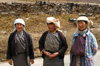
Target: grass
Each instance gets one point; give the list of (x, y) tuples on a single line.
[(36, 25)]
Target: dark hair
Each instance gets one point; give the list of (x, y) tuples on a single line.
[(83, 21), (22, 24), (50, 23)]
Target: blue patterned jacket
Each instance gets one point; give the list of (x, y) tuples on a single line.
[(91, 47)]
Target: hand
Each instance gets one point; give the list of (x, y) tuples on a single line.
[(10, 61), (32, 61), (46, 53), (53, 55)]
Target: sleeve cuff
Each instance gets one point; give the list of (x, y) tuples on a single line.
[(42, 51)]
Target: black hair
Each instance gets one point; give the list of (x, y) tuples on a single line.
[(83, 21), (50, 23)]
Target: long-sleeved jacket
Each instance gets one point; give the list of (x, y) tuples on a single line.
[(62, 46), (91, 47), (11, 46)]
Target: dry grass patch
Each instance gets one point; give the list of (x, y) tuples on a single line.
[(36, 25)]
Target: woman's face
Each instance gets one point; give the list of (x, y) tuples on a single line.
[(82, 25), (19, 27), (51, 27)]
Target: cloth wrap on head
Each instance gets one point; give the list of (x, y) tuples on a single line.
[(21, 21), (84, 18), (55, 21)]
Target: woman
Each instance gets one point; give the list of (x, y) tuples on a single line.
[(20, 46), (84, 45), (53, 44)]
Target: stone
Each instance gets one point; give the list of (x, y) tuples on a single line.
[(4, 13), (72, 19), (83, 9), (82, 14)]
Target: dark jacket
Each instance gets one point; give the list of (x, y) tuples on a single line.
[(11, 45), (62, 46)]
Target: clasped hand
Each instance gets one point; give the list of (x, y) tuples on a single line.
[(51, 55)]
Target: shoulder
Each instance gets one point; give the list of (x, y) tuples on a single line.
[(60, 34), (26, 33), (43, 36), (45, 33), (91, 35), (75, 34), (12, 34)]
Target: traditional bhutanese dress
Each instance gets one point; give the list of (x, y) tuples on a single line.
[(91, 47), (20, 45), (52, 46), (79, 60)]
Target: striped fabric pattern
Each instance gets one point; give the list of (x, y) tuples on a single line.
[(51, 42), (53, 62), (52, 45), (20, 43), (78, 61), (91, 48)]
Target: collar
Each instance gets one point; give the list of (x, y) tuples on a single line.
[(76, 33), (53, 32), (21, 33)]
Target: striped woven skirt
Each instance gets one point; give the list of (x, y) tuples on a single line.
[(78, 61), (20, 60), (53, 62)]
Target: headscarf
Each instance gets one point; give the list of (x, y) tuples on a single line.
[(84, 18), (55, 21), (19, 21)]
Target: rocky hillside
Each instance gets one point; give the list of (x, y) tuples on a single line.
[(90, 1), (36, 25)]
